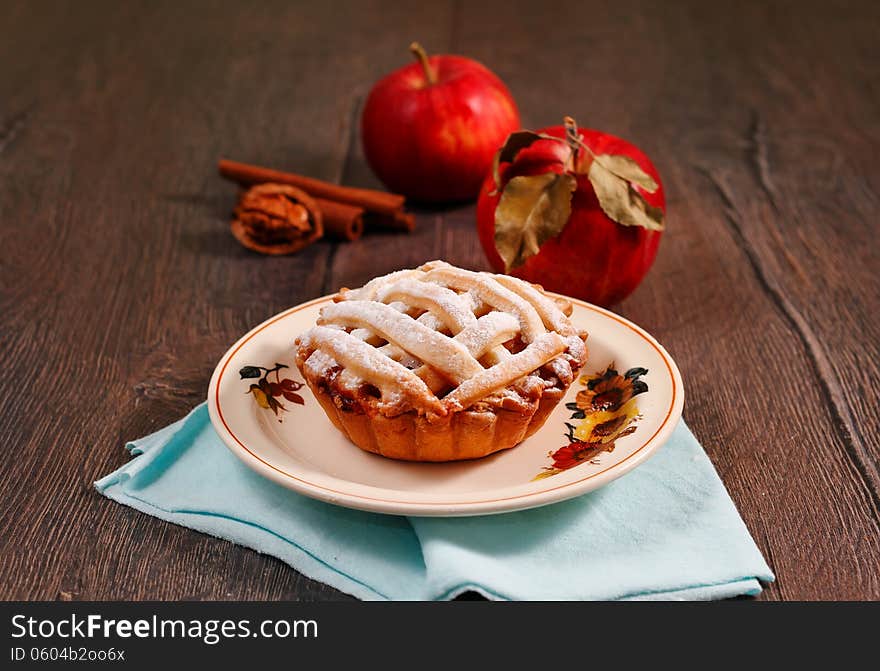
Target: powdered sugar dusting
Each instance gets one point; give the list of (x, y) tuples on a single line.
[(391, 333)]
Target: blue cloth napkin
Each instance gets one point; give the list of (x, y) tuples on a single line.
[(667, 530)]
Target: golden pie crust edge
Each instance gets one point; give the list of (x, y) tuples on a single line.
[(459, 435)]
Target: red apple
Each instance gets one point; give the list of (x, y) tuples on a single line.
[(590, 255), (431, 128)]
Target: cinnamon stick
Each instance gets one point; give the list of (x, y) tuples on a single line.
[(370, 200), (400, 221), (404, 222), (341, 221)]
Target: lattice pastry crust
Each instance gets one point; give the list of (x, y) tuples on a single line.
[(439, 363)]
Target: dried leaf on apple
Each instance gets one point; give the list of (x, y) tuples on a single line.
[(532, 209), (626, 168), (617, 197)]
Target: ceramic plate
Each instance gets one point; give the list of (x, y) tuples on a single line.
[(622, 409)]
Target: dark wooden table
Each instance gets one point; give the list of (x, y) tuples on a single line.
[(120, 285)]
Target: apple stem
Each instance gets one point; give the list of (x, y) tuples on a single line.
[(419, 52), (571, 136), (575, 144)]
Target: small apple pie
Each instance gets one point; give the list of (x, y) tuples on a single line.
[(440, 363)]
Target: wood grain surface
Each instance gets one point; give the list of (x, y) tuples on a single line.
[(120, 285)]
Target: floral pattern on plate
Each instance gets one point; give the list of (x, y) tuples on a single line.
[(267, 393), (605, 410)]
